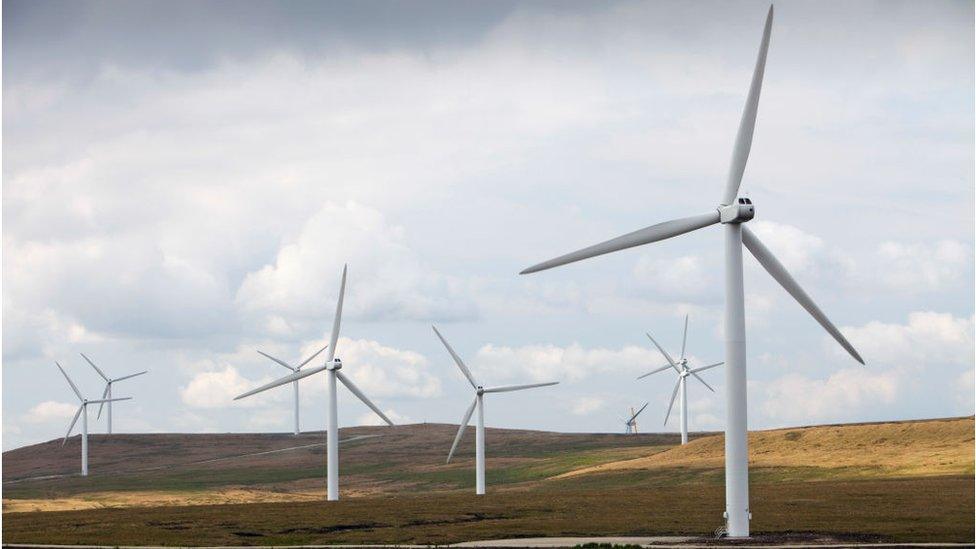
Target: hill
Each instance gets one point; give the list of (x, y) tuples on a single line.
[(898, 481)]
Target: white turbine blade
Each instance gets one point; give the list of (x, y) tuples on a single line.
[(72, 426), (279, 361), (633, 417), (671, 405), (508, 388), (131, 376), (462, 427), (101, 373), (334, 338), (652, 372), (747, 125), (654, 233), (457, 359), (355, 390), (309, 359), (778, 272), (101, 404), (663, 352), (108, 400), (698, 377), (703, 368), (684, 338), (281, 381), (72, 383)]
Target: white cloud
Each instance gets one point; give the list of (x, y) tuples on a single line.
[(217, 389), (386, 278), (371, 418), (965, 389), (795, 249), (554, 363), (386, 372), (918, 267), (50, 410), (675, 278), (928, 339), (797, 399), (587, 405)]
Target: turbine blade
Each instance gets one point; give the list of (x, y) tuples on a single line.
[(279, 361), (671, 405), (108, 400), (309, 359), (747, 125), (72, 426), (665, 353), (101, 373), (457, 359), (462, 427), (509, 388), (355, 390), (281, 381), (778, 272), (72, 383), (654, 233), (703, 368), (698, 377), (101, 404), (684, 338), (652, 372), (334, 338), (633, 417), (131, 376)]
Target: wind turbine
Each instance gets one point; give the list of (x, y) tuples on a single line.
[(294, 383), (82, 411), (680, 366), (332, 366), (732, 212), (631, 424), (478, 402), (107, 393)]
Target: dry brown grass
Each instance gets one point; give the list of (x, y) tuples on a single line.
[(897, 449)]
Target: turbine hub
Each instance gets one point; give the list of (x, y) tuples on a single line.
[(336, 364), (480, 390), (739, 211)]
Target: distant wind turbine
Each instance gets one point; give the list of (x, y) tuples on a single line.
[(82, 411), (630, 425), (107, 393), (681, 367), (478, 402), (331, 367), (732, 212), (294, 383)]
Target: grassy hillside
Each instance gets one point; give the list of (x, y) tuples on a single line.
[(902, 481), (894, 449)]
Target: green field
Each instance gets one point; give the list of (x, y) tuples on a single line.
[(396, 487)]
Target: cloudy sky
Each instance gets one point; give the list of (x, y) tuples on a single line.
[(183, 181)]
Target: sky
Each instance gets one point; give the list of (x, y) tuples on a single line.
[(183, 182)]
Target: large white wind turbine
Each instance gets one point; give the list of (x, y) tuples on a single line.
[(83, 411), (331, 367), (630, 425), (478, 402), (681, 367), (107, 393), (732, 212), (294, 383)]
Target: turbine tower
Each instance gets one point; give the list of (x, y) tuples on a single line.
[(733, 213), (681, 367), (478, 402), (294, 383), (107, 393), (82, 411), (630, 425), (332, 366)]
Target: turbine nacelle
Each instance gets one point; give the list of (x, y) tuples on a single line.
[(334, 364), (479, 390), (739, 211)]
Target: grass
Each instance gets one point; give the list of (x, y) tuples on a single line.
[(929, 509)]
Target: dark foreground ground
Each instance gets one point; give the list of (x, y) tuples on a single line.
[(935, 509)]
